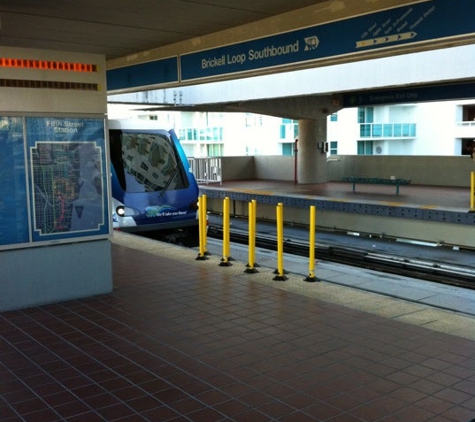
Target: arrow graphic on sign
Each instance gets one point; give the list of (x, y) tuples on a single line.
[(386, 40)]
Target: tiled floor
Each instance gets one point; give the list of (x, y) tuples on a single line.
[(187, 340)]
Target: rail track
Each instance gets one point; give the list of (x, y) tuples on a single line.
[(445, 273)]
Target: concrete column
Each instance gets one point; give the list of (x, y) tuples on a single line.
[(311, 161)]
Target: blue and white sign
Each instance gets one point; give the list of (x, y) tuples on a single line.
[(273, 51), (410, 95), (419, 22), (143, 74)]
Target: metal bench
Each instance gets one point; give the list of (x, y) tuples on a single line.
[(376, 181)]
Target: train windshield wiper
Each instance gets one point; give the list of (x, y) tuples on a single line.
[(169, 180)]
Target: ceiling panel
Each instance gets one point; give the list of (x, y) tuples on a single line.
[(121, 27)]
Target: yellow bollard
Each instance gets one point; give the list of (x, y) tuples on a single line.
[(472, 191), (205, 224), (226, 235), (254, 219), (280, 243), (311, 246), (252, 238), (202, 227)]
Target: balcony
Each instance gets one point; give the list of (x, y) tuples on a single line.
[(387, 130), (465, 129), (203, 135)]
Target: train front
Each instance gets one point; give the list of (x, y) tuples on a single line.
[(153, 189)]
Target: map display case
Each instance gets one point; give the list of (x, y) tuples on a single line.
[(53, 180)]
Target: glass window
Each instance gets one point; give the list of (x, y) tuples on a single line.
[(360, 148), (361, 115), (377, 130), (146, 162), (333, 148), (365, 131), (287, 149), (214, 150), (369, 148), (365, 148), (365, 115), (397, 130), (369, 114), (296, 130), (282, 131), (409, 129)]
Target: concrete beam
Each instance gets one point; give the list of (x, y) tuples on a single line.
[(308, 107), (302, 93)]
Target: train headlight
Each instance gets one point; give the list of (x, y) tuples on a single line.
[(123, 211), (120, 210)]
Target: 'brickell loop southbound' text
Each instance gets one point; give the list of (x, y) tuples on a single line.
[(269, 51)]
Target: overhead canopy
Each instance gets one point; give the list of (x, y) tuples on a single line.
[(119, 28)]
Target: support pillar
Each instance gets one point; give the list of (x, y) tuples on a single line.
[(312, 158)]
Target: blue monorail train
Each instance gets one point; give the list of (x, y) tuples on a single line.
[(153, 189)]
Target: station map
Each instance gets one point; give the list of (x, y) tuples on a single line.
[(53, 180)]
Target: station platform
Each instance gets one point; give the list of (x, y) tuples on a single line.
[(433, 214), (181, 339), (418, 196)]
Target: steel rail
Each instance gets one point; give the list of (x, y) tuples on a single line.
[(425, 270)]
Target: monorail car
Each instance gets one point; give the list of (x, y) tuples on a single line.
[(153, 188)]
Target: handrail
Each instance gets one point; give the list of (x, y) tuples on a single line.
[(206, 170), (465, 123)]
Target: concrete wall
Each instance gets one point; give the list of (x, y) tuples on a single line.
[(37, 276), (237, 168), (421, 170), (264, 167), (275, 167), (269, 167)]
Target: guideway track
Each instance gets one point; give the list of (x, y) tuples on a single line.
[(424, 269)]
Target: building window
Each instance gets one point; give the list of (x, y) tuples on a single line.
[(468, 147), (287, 149), (365, 147), (282, 131), (365, 115), (214, 150), (289, 129), (253, 120), (365, 131), (333, 148), (296, 129), (191, 135)]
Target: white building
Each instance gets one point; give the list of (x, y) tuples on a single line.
[(432, 128)]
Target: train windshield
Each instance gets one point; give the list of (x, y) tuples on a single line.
[(146, 162)]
